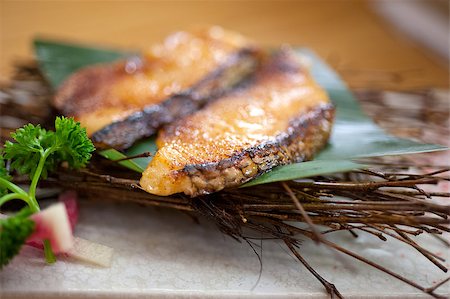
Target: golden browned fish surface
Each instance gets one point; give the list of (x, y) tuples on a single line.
[(281, 116), (121, 102)]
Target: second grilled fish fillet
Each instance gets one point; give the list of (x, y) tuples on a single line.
[(122, 102), (281, 116)]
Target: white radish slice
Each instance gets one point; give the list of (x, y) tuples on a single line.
[(90, 252), (53, 224)]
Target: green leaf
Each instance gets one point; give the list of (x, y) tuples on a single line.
[(147, 145), (3, 174), (68, 143), (354, 134), (74, 146), (14, 231), (114, 155), (138, 164), (58, 60), (304, 170), (25, 152)]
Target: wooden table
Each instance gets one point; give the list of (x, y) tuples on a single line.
[(348, 34)]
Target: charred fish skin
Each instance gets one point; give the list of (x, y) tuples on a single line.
[(123, 133), (310, 133), (124, 101), (279, 117)]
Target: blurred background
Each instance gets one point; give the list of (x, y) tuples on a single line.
[(396, 44)]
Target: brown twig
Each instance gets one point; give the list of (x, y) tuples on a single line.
[(331, 288), (421, 250), (143, 155), (383, 201), (317, 236)]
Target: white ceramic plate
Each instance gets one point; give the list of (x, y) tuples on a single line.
[(163, 253)]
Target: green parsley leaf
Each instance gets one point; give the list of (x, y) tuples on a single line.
[(74, 146), (25, 153), (14, 231), (35, 152), (3, 174), (68, 143)]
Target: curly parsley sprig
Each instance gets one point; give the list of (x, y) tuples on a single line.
[(14, 231), (36, 151)]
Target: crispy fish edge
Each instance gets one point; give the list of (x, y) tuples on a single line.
[(122, 134), (306, 134)]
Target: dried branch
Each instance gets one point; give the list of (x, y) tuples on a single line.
[(386, 200), (331, 288)]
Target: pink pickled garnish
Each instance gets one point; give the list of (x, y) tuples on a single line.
[(42, 231), (56, 223), (69, 198)]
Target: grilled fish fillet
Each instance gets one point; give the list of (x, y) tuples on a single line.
[(281, 116), (122, 102)]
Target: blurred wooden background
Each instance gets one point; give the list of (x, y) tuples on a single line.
[(364, 49)]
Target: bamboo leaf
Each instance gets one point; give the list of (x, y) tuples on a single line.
[(304, 170), (354, 134), (114, 155), (58, 60), (147, 145)]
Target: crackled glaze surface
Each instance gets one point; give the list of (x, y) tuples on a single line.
[(163, 253)]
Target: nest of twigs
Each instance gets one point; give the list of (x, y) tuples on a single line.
[(387, 200)]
